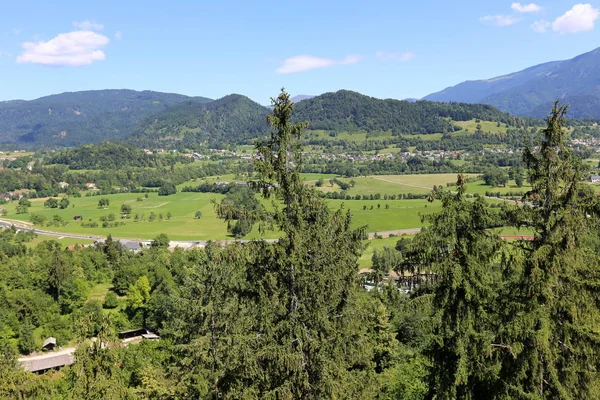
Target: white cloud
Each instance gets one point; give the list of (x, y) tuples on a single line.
[(526, 8), (580, 18), (5, 54), (118, 35), (72, 49), (403, 56), (88, 26), (541, 26), (305, 63), (500, 20)]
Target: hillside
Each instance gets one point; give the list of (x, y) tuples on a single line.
[(70, 119), (350, 111), (532, 91), (233, 118)]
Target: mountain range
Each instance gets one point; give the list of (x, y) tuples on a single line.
[(154, 119), (532, 91), (74, 118)]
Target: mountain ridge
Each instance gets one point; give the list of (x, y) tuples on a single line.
[(526, 92)]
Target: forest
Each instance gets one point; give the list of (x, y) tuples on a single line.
[(468, 315)]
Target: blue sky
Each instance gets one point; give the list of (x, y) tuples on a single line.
[(395, 49)]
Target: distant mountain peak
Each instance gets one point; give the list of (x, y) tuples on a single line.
[(525, 93), (298, 98)]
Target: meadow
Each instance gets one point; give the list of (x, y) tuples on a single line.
[(378, 215)]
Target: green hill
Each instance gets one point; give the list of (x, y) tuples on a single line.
[(70, 119), (350, 111), (233, 118)]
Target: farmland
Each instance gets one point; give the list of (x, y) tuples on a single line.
[(175, 215)]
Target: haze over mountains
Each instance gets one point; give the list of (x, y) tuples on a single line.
[(532, 91)]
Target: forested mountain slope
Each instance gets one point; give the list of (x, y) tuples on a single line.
[(350, 111), (532, 91), (229, 119), (70, 119)]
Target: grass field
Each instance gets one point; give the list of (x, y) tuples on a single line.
[(424, 136), (486, 126), (422, 181), (400, 214), (357, 137), (480, 187), (64, 241), (182, 224), (371, 185)]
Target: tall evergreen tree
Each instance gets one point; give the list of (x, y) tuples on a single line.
[(294, 322), (461, 254), (551, 337)]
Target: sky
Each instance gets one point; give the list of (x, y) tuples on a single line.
[(385, 49)]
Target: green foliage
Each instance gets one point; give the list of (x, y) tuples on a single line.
[(138, 294), (111, 300), (126, 209), (232, 118), (160, 242), (103, 202), (241, 228), (167, 189), (197, 215), (350, 111), (64, 203), (24, 201), (495, 177), (51, 203), (551, 336), (26, 341), (462, 253), (37, 219)]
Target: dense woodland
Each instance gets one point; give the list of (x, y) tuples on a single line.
[(351, 111), (484, 318), (71, 119)]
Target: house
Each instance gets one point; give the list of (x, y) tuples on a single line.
[(63, 185), (91, 186), (131, 245), (74, 247), (137, 334), (20, 193), (595, 179), (49, 344)]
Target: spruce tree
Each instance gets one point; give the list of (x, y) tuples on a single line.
[(551, 339), (285, 319), (460, 255)]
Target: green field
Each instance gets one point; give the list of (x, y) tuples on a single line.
[(486, 126), (400, 214), (371, 185), (64, 241), (181, 226), (480, 187)]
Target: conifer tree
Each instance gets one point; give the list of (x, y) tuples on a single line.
[(459, 252), (551, 336), (290, 320)]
